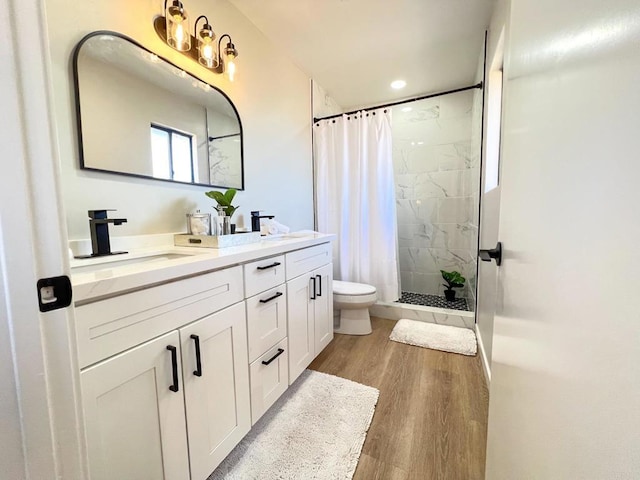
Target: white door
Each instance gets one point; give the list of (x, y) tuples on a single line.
[(134, 420), (565, 386), (217, 390), (300, 327), (323, 308), (42, 434)]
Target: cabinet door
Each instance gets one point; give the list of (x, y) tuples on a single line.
[(300, 325), (134, 423), (217, 400), (323, 308)]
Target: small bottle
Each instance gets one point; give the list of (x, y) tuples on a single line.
[(226, 228), (220, 230)]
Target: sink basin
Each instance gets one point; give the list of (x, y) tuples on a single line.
[(105, 263)]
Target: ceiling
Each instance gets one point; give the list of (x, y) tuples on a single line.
[(355, 48)]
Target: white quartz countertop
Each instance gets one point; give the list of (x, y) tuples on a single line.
[(95, 278)]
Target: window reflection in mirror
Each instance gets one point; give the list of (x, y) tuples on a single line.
[(141, 115), (171, 154)]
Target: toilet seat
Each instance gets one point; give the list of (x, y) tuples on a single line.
[(352, 289)]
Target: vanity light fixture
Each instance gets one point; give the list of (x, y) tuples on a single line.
[(230, 52), (177, 26), (206, 45), (173, 29)]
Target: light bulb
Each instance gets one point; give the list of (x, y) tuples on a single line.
[(179, 34), (206, 51), (177, 25), (230, 69)]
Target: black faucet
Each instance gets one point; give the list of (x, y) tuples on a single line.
[(99, 227), (255, 220)]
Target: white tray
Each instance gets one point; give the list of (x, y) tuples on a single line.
[(210, 241)]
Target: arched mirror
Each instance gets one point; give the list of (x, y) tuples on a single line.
[(138, 114)]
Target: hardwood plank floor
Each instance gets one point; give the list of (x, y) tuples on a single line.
[(431, 417)]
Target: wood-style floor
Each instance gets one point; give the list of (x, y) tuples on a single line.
[(431, 418)]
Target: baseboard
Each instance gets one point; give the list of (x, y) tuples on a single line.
[(486, 368)]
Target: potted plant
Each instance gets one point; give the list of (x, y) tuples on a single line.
[(454, 280), (224, 200)]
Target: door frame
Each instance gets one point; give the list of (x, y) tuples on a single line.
[(33, 245)]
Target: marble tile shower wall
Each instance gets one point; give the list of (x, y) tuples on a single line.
[(436, 177)]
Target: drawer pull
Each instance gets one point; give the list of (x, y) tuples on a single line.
[(266, 300), (313, 279), (319, 277), (274, 264), (174, 367), (280, 352), (198, 371)]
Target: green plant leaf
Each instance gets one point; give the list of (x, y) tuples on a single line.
[(229, 194), (217, 196), (453, 279)]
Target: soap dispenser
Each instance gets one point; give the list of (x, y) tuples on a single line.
[(223, 223)]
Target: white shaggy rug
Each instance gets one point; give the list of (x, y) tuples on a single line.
[(434, 336), (314, 431)]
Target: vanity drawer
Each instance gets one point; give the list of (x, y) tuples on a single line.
[(263, 274), (268, 382), (307, 259), (110, 326), (266, 320)]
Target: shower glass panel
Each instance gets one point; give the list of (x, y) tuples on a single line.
[(436, 155)]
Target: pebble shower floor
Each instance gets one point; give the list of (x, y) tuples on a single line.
[(433, 301)]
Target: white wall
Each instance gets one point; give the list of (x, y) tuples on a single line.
[(323, 103), (118, 109), (271, 94), (490, 202)]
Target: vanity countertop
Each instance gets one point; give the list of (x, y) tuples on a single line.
[(102, 277)]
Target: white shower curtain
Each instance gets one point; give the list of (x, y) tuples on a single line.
[(356, 198)]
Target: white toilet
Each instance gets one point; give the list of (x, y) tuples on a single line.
[(351, 302)]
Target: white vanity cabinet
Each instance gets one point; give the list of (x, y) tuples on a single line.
[(174, 373), (141, 405), (310, 305)]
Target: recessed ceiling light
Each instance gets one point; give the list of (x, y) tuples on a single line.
[(407, 109), (398, 84)]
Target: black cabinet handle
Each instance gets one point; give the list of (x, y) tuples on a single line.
[(274, 264), (198, 371), (313, 279), (319, 277), (267, 362), (493, 253), (266, 300), (174, 367)]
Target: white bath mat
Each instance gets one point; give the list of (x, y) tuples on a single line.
[(434, 336), (315, 431)]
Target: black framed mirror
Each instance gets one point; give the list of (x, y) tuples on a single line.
[(140, 115)]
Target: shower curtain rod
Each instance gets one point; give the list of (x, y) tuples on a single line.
[(400, 102)]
